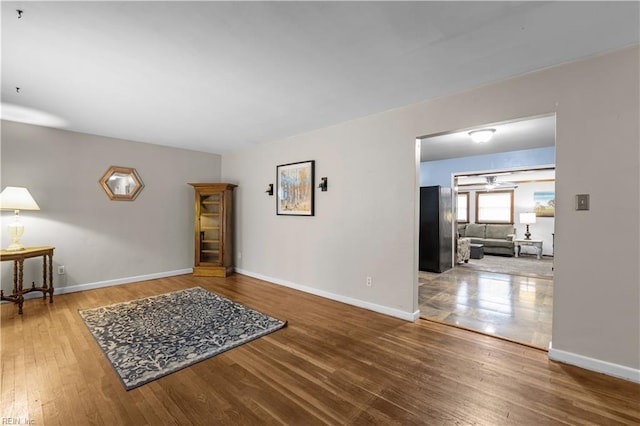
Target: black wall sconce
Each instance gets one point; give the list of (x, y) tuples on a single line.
[(323, 184), (269, 189)]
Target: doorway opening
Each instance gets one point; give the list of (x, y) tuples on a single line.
[(498, 253)]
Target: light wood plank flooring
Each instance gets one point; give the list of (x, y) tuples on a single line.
[(333, 364), (515, 307)]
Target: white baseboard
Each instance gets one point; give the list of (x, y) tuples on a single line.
[(109, 283), (596, 365), (407, 316)]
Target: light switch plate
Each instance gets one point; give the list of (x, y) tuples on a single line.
[(582, 201)]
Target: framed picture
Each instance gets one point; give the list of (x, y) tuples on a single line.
[(544, 204), (295, 183)]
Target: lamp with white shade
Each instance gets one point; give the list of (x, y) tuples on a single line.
[(527, 219), (16, 199)]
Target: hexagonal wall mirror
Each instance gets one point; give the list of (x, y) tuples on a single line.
[(121, 183)]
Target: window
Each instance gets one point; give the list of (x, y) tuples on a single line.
[(494, 207), (463, 208)]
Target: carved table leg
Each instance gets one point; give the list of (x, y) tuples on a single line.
[(19, 285), (15, 277), (50, 256), (44, 276)]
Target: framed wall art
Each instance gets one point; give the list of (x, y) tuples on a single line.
[(295, 183), (544, 204)]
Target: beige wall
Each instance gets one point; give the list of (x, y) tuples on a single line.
[(97, 239), (365, 223)]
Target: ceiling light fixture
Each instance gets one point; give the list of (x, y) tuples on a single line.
[(482, 135), (491, 182)]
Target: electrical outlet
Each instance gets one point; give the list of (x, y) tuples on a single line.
[(369, 281), (61, 270)]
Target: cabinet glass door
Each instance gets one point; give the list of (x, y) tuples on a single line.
[(210, 228)]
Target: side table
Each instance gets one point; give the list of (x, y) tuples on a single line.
[(18, 257), (518, 243)]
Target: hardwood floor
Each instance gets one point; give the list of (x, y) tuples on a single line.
[(514, 307), (332, 364)]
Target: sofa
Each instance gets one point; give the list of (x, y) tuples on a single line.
[(496, 239)]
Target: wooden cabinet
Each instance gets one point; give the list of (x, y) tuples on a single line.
[(435, 242), (213, 229)]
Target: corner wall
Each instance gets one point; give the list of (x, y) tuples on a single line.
[(100, 241), (365, 224)]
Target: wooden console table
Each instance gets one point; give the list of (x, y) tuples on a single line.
[(18, 257)]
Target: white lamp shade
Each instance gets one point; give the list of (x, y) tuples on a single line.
[(527, 218), (17, 198), (482, 135)]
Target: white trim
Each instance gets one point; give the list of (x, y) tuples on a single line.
[(503, 170), (605, 367), (109, 283), (408, 316)]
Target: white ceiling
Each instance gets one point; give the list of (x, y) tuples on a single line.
[(537, 132), (220, 76)]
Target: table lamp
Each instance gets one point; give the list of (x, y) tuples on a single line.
[(16, 199), (527, 218)]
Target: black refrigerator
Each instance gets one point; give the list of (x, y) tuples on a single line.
[(435, 243)]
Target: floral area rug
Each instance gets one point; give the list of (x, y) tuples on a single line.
[(149, 338)]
